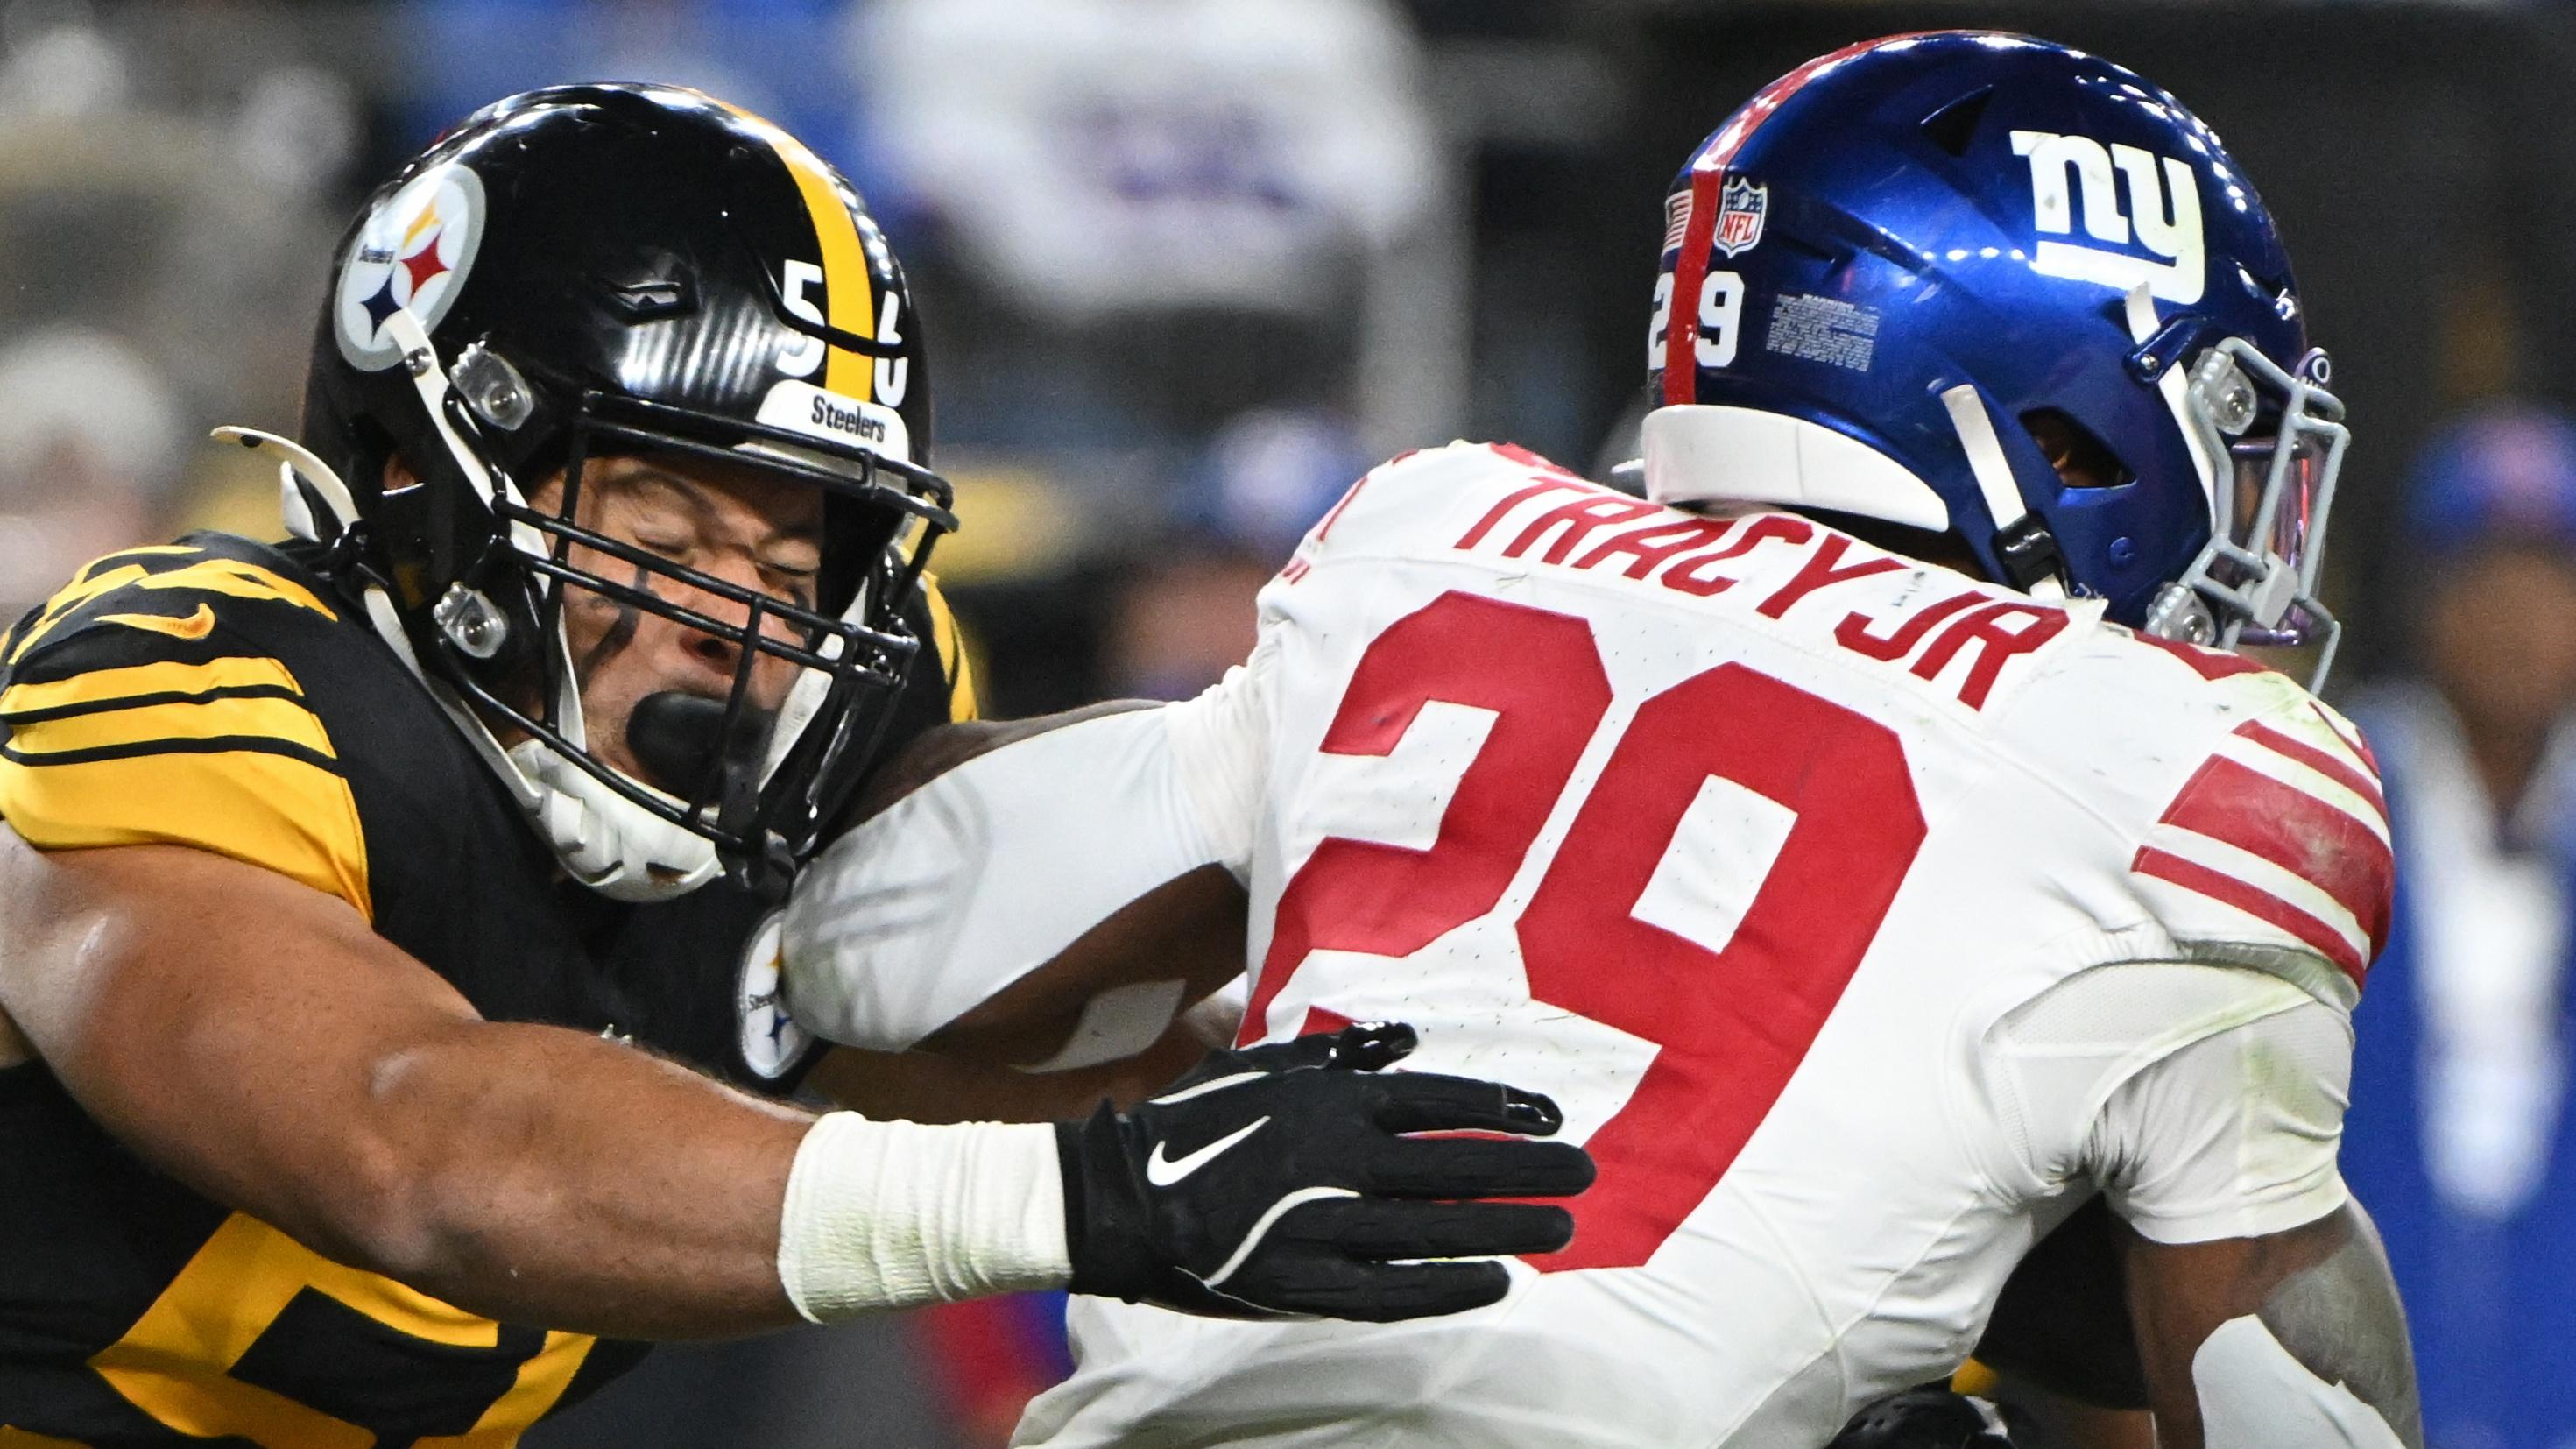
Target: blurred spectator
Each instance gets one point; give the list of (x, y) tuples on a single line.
[(1185, 614), (2459, 1139), (762, 55), (166, 206), (1143, 216), (91, 440), (1103, 155)]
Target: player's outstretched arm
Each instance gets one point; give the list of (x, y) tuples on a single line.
[(253, 1038), (256, 1040), (1047, 894), (2296, 1338)]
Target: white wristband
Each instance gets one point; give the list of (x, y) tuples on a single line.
[(895, 1215)]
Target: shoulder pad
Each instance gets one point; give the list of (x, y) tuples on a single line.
[(2277, 841), (168, 695), (2245, 818), (1427, 484)]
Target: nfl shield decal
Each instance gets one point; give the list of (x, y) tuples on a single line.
[(1739, 216)]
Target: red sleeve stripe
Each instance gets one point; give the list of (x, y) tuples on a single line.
[(2303, 835), (2351, 737), (2263, 906), (2322, 761)]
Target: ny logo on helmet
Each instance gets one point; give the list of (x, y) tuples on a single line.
[(2164, 212)]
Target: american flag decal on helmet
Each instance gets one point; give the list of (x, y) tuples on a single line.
[(1676, 219), (2285, 828)]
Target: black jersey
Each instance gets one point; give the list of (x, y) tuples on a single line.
[(220, 694)]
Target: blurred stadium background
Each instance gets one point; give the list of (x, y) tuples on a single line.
[(1188, 266)]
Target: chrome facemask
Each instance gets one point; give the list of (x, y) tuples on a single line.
[(2256, 580)]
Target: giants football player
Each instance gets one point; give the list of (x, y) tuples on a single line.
[(1872, 839)]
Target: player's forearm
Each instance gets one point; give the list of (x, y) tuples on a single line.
[(1051, 903), (2298, 1337), (934, 752), (254, 1039), (545, 1176)]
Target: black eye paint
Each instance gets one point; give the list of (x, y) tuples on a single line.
[(621, 631)]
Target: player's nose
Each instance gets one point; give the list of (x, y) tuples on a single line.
[(728, 602)]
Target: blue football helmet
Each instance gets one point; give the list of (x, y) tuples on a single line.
[(1918, 275)]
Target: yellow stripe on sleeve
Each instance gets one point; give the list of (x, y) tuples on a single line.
[(949, 642), (541, 1381), (287, 815), (21, 1439), (283, 720), (230, 577), (135, 681)]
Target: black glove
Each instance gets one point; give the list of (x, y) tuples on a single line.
[(1930, 1417), (1275, 1181)]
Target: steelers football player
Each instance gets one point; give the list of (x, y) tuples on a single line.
[(389, 1034)]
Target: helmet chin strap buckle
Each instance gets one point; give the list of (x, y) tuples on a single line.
[(2024, 548), (2029, 553)]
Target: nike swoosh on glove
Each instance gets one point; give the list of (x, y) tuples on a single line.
[(1277, 1181)]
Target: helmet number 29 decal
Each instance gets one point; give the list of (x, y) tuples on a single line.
[(2163, 214), (1721, 315)]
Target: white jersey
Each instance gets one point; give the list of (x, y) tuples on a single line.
[(1863, 919)]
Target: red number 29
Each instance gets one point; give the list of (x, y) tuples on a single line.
[(1730, 1026)]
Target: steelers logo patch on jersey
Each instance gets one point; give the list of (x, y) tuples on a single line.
[(772, 1042), (413, 254)]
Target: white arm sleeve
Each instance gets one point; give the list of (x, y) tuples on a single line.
[(2233, 1136), (989, 871), (2255, 1395)]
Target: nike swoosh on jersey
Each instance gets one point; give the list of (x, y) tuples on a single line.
[(1163, 1172), (185, 626)]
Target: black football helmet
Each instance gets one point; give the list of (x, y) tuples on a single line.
[(597, 270)]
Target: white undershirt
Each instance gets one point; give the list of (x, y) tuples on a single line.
[(2204, 1101)]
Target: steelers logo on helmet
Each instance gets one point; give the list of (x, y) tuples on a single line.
[(412, 253)]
